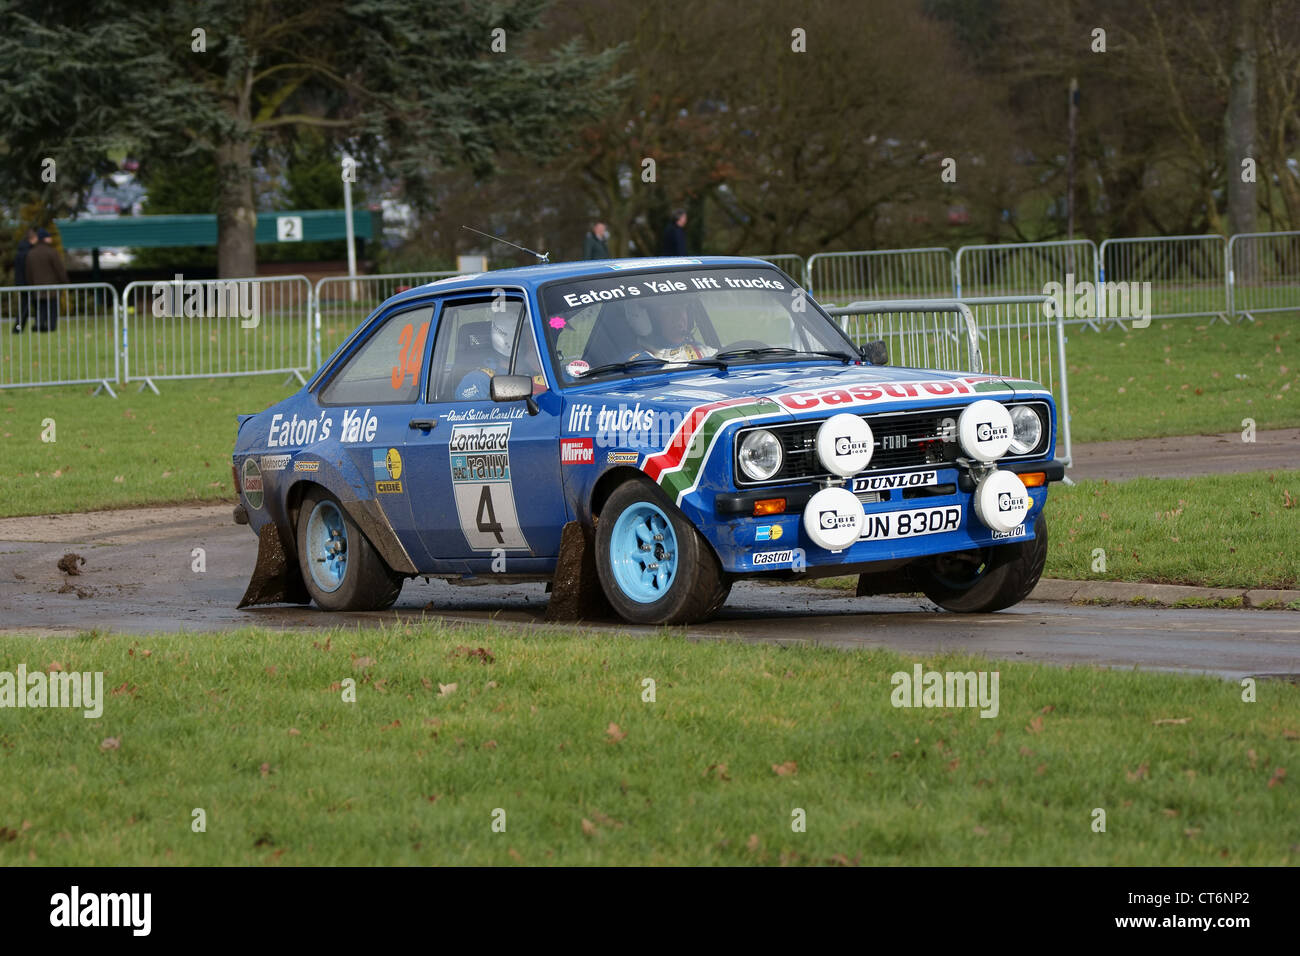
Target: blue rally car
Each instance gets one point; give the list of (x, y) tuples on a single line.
[(642, 431)]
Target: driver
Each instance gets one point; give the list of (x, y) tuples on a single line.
[(477, 383), (670, 336)]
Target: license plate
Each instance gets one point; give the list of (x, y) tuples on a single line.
[(910, 524)]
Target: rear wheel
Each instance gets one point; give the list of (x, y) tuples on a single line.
[(340, 567), (654, 566), (985, 579)]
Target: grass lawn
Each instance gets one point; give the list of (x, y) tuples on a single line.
[(138, 449), (1184, 377), (552, 729), (1215, 531)]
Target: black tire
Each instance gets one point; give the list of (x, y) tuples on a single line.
[(697, 586), (366, 583), (986, 580)]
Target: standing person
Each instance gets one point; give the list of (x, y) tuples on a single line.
[(45, 267), (674, 240), (20, 276), (595, 245)]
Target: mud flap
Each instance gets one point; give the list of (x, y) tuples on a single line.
[(576, 594), (275, 580)]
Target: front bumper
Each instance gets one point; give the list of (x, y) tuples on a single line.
[(749, 544)]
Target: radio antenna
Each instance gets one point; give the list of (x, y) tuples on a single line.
[(543, 256)]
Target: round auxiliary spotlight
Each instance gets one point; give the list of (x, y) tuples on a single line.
[(844, 444), (1002, 501), (984, 430), (833, 518)]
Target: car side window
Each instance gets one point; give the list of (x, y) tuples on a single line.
[(475, 342), (386, 369)]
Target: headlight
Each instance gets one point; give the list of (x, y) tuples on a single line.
[(1026, 429), (760, 455)]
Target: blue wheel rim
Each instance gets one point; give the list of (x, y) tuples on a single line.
[(643, 553), (327, 546)]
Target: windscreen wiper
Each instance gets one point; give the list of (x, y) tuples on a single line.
[(623, 366), (781, 350)]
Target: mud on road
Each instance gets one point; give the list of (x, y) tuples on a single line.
[(139, 577)]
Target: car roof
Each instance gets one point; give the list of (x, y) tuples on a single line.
[(530, 277)]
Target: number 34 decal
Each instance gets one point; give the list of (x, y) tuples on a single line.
[(410, 354)]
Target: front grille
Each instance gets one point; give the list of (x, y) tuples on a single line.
[(910, 441), (903, 440)]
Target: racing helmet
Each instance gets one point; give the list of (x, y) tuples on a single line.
[(503, 333)]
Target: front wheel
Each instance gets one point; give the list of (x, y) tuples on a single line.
[(340, 567), (654, 566), (986, 579)]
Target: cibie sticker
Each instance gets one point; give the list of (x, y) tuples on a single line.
[(577, 368), (483, 488), (388, 471), (252, 483), (768, 532)]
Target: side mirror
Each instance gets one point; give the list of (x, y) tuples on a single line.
[(514, 388), (876, 353)]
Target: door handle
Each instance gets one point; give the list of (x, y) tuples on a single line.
[(424, 424)]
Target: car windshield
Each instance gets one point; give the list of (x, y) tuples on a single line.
[(648, 323)]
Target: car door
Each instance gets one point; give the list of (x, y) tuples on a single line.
[(493, 470), (369, 402)]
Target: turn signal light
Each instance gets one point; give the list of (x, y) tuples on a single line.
[(769, 506), (1035, 479)]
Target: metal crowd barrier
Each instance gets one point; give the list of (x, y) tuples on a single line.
[(1188, 275), (1023, 337), (1263, 273), (341, 302), (915, 333), (1025, 268), (1017, 337), (59, 335), (880, 274), (203, 328)]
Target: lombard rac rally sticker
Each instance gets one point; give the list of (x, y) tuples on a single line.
[(388, 471), (252, 484)]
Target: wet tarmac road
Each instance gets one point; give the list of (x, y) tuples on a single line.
[(139, 576)]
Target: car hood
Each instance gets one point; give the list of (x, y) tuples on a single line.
[(798, 389)]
